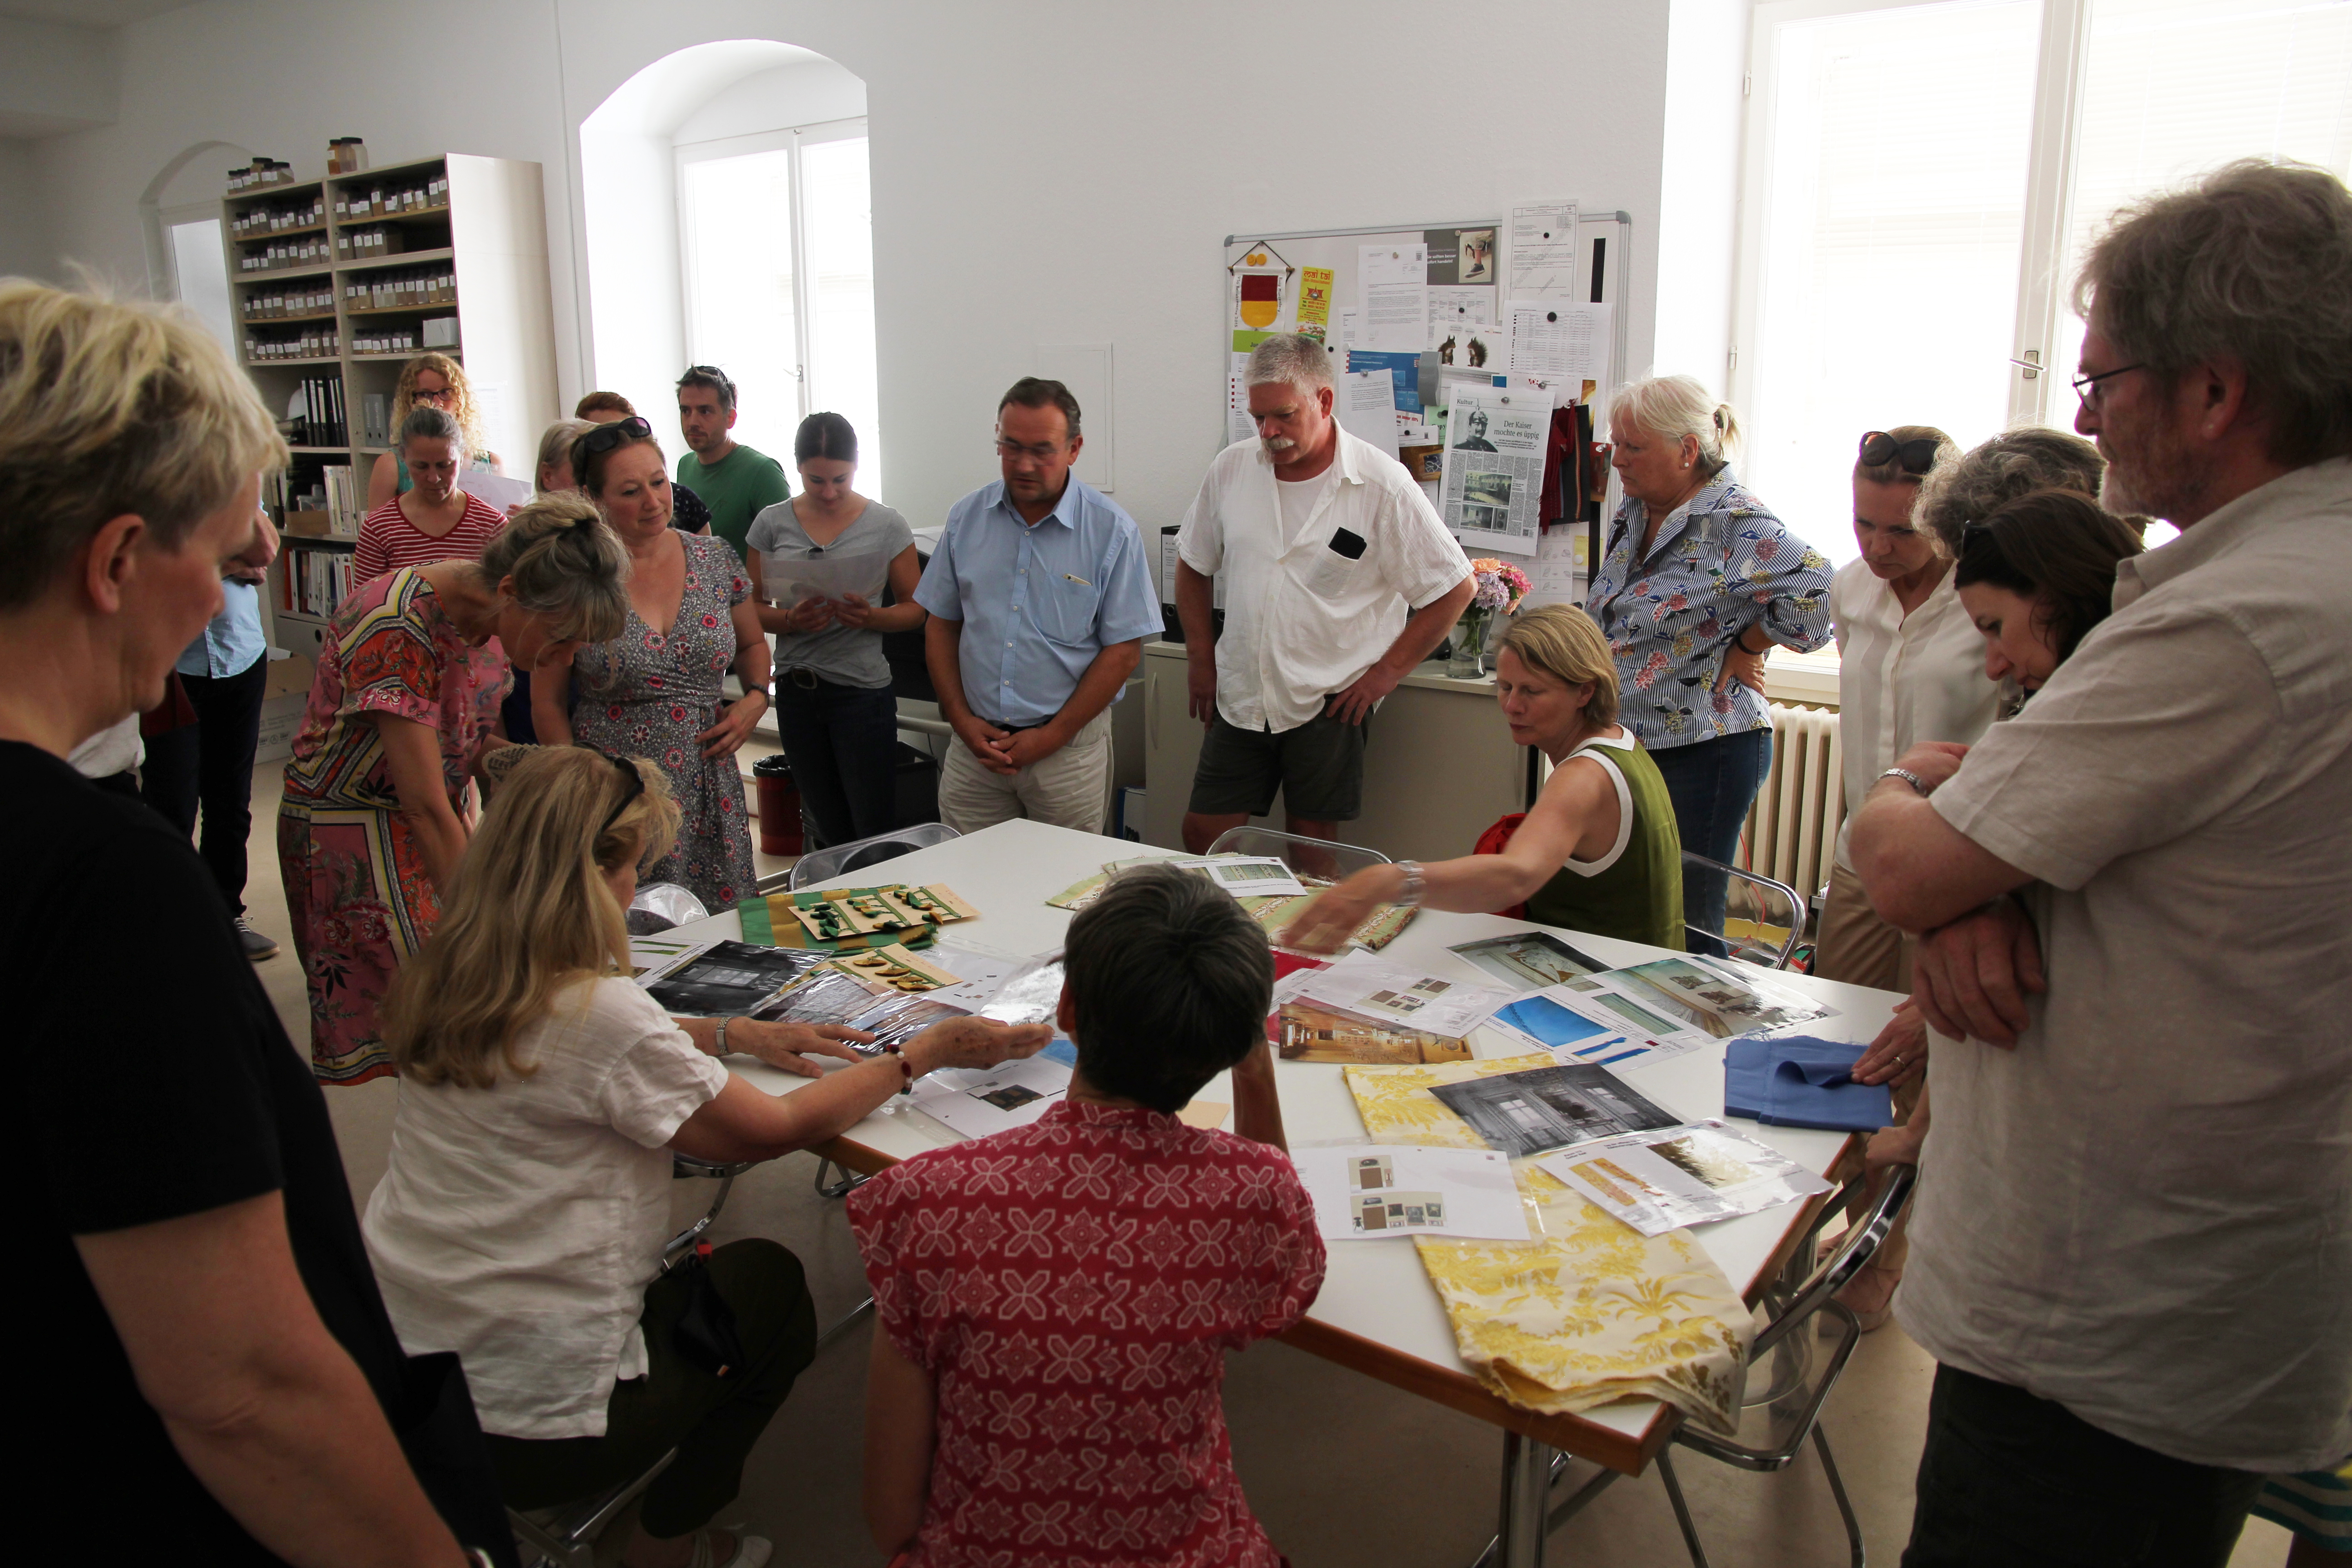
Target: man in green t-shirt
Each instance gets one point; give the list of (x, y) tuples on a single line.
[(734, 480)]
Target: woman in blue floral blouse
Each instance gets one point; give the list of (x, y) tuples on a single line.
[(1698, 581)]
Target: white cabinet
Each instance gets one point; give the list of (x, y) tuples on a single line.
[(1439, 766)]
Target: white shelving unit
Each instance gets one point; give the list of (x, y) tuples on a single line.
[(475, 250)]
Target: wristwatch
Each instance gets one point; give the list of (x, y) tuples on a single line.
[(722, 1036), (1907, 776), (1415, 885)]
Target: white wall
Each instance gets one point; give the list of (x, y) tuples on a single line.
[(1706, 115), (54, 78), (1045, 171), (24, 240)]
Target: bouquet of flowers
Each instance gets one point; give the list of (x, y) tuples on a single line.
[(1496, 587)]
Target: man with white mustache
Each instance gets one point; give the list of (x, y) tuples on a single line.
[(1339, 578)]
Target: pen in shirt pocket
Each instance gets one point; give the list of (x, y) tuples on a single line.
[(1074, 577)]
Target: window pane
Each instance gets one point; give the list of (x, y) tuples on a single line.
[(739, 247), (2173, 87), (839, 223), (202, 269), (1890, 243)]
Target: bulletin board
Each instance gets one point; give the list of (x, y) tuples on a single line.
[(1314, 275)]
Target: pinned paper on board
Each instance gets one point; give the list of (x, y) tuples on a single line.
[(1260, 280), (1543, 250), (1314, 301)]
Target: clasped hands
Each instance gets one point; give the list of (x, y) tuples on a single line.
[(816, 612), (1007, 752)]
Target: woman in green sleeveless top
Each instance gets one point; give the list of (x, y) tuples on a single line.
[(1598, 853)]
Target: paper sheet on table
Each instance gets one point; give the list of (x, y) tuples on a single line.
[(1531, 960), (1550, 1107), (1030, 994), (1658, 1182), (1577, 1028), (1491, 493), (977, 1101), (1542, 262), (653, 957), (1710, 998), (1366, 407), (1245, 876), (1366, 1192), (1370, 987), (728, 978), (494, 489), (789, 577), (982, 973)]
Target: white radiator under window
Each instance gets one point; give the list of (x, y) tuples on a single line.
[(1793, 828)]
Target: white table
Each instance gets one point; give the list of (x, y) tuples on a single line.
[(1377, 1313)]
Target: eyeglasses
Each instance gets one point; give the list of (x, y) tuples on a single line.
[(1879, 448), (2087, 387), (712, 371), (432, 394), (634, 787), (1045, 453), (604, 437)]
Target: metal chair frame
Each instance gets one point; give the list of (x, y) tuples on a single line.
[(1799, 1299), (819, 867), (1787, 949), (1245, 835)]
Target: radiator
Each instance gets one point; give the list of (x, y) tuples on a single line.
[(1793, 828)]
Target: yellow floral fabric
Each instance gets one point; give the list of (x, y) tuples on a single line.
[(1590, 1312)]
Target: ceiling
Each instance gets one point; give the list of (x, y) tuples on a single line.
[(91, 13)]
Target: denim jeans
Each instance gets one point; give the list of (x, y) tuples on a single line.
[(1713, 784), (2009, 1478), (843, 743)]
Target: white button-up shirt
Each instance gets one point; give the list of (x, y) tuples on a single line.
[(1304, 620), (1902, 679)]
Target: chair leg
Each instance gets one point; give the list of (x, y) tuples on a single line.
[(1837, 1490), (848, 1322), (1682, 1508), (850, 1181)]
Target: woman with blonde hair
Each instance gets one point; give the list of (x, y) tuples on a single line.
[(521, 1220), (430, 381), (1598, 853), (1697, 580), (220, 1340), (405, 699)]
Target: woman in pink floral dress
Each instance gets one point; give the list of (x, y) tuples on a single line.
[(656, 690), (405, 702)]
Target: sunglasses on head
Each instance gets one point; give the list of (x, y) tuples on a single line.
[(1879, 448), (634, 787), (604, 437)]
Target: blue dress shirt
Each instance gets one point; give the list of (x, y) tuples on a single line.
[(232, 640), (1037, 602)]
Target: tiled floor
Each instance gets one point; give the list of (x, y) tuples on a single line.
[(1345, 1472)]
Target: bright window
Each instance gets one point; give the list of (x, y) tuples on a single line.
[(1921, 179), (200, 274), (779, 268)]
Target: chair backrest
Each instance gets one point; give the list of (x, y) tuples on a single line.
[(1323, 858), (1863, 1240), (820, 867), (1759, 900)]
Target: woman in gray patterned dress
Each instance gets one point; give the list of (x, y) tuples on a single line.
[(655, 692)]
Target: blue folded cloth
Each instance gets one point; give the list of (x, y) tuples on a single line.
[(1799, 1081)]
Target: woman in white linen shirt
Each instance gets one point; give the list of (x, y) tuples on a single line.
[(1910, 669), (521, 1220)]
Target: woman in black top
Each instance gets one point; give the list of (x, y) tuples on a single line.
[(215, 1374)]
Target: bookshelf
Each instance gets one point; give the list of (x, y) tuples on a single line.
[(335, 281)]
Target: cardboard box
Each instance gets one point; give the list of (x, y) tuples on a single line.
[(284, 695), (308, 524)]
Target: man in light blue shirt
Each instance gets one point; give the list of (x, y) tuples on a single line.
[(1040, 596), (209, 765)]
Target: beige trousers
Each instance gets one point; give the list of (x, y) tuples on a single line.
[(1069, 788), (1854, 944)]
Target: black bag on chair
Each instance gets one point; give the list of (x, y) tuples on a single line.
[(705, 1334)]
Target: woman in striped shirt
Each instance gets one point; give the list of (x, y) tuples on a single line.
[(434, 521)]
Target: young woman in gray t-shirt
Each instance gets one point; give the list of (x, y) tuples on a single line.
[(818, 563)]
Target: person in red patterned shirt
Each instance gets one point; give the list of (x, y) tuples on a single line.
[(1054, 1302)]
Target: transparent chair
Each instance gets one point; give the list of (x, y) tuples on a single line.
[(820, 868), (1798, 1356), (1772, 913), (565, 1535), (1311, 860)]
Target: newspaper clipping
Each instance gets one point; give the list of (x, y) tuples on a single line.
[(1494, 467)]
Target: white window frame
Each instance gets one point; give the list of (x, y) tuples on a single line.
[(185, 213), (2050, 165), (793, 139)]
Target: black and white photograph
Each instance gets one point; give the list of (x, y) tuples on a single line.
[(1524, 1113), (732, 978), (1474, 438), (1481, 487)]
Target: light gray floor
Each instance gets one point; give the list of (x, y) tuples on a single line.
[(1344, 1472)]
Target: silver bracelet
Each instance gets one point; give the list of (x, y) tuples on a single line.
[(1907, 776), (722, 1036), (1415, 885)]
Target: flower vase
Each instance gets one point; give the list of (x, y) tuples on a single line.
[(1468, 661)]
